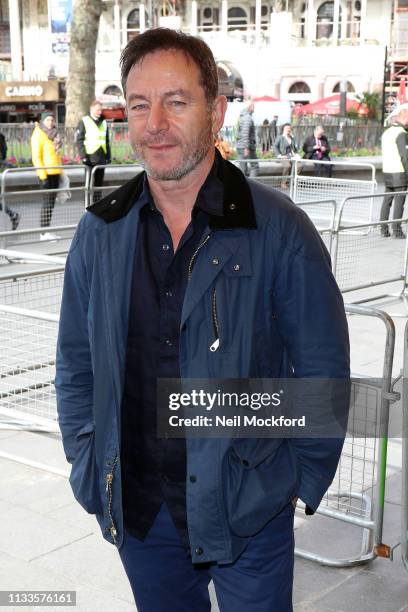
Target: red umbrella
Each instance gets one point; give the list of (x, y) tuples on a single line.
[(330, 106), (266, 99), (402, 95)]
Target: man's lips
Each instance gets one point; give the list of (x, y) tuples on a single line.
[(161, 147)]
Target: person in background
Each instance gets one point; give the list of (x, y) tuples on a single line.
[(264, 136), (246, 142), (223, 147), (14, 216), (273, 129), (394, 148), (92, 138), (317, 147), (46, 145), (286, 148)]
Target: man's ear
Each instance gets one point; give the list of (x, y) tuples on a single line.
[(218, 113)]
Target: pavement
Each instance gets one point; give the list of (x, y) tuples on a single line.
[(48, 542)]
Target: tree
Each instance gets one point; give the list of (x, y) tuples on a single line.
[(373, 103), (81, 73)]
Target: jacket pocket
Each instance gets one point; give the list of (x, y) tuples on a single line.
[(84, 479), (258, 483)]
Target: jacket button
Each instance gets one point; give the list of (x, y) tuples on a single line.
[(112, 202), (237, 267), (232, 207), (216, 261), (165, 478), (198, 551), (193, 478)]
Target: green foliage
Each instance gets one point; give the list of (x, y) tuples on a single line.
[(373, 103)]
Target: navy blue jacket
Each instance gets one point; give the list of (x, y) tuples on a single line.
[(279, 311)]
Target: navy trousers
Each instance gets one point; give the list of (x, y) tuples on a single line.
[(163, 579)]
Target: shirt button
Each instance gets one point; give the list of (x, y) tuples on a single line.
[(165, 247), (168, 342), (232, 207), (165, 478), (216, 261), (169, 294), (236, 267), (198, 551), (193, 478)]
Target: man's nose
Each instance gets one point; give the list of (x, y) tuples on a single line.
[(157, 120)]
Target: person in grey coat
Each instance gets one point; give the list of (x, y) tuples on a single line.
[(246, 141)]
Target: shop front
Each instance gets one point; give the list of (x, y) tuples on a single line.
[(23, 102)]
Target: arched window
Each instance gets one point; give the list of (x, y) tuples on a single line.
[(300, 87), (350, 87), (133, 23), (237, 18), (113, 90), (325, 20)]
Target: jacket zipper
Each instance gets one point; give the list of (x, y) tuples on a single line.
[(216, 344), (192, 260), (109, 480)]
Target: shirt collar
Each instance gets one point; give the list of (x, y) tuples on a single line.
[(209, 198)]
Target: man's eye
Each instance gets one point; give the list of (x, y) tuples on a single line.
[(177, 103), (138, 107)]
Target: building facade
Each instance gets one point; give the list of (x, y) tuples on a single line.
[(290, 49)]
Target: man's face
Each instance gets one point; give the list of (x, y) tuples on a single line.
[(171, 124), (251, 108), (319, 131), (287, 130), (96, 110)]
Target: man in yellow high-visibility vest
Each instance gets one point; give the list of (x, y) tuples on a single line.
[(92, 139)]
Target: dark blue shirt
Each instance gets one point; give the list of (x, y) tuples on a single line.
[(153, 469)]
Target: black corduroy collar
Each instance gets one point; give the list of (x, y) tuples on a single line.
[(237, 205)]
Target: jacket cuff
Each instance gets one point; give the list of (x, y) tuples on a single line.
[(312, 494)]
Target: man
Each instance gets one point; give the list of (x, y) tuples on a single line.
[(273, 129), (286, 149), (317, 147), (190, 271), (92, 138), (394, 147), (246, 140)]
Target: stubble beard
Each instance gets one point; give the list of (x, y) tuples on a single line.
[(193, 153)]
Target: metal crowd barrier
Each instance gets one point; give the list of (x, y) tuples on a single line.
[(27, 395), (29, 314), (307, 186), (357, 493), (362, 258), (69, 203), (269, 172), (97, 192), (404, 471)]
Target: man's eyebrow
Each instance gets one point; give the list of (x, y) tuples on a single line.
[(167, 94)]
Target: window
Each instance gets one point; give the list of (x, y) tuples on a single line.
[(299, 87), (133, 23), (350, 87), (237, 18), (325, 20), (113, 90)]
